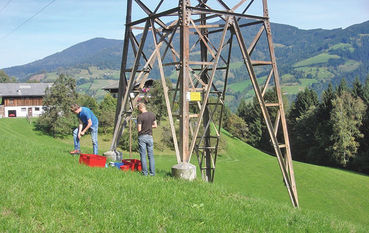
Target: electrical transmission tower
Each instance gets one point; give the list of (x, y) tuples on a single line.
[(189, 46)]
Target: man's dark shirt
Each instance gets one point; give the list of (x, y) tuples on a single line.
[(146, 120)]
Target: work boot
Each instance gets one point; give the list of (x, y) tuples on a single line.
[(75, 152)]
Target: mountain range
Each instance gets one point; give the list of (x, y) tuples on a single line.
[(306, 58)]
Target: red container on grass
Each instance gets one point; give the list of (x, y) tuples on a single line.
[(131, 161), (92, 160), (126, 167), (135, 164)]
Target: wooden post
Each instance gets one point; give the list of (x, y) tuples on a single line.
[(130, 137), (184, 120), (207, 174), (288, 156)]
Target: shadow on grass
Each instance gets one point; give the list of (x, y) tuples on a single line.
[(163, 173)]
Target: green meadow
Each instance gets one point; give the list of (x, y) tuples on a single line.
[(318, 59), (44, 189)]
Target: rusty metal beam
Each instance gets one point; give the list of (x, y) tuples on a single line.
[(122, 78), (128, 89), (279, 93), (184, 75), (265, 113), (197, 10), (166, 96)]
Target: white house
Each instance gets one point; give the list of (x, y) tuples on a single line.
[(22, 99)]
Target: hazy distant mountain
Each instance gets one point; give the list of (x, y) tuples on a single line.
[(100, 52)]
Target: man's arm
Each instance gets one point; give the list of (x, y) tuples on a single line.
[(87, 127), (80, 126), (139, 127), (154, 124)]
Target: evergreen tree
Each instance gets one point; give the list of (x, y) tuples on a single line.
[(362, 163), (107, 114), (304, 101), (251, 115), (242, 109), (58, 120), (346, 118), (342, 87), (302, 137), (357, 89), (265, 142), (323, 128), (327, 97), (366, 91), (302, 125)]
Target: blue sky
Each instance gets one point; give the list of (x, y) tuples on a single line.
[(26, 35)]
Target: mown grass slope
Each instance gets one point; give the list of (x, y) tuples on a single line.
[(44, 189), (332, 191)]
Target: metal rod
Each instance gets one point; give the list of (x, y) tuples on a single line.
[(129, 85), (264, 111), (167, 102), (122, 78), (283, 118)]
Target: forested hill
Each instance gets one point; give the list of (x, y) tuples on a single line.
[(306, 58)]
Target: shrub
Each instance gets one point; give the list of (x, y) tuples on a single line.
[(58, 120)]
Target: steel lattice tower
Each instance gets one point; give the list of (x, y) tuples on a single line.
[(192, 42)]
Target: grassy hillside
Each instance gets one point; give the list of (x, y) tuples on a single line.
[(319, 59), (89, 80), (45, 189), (249, 171)]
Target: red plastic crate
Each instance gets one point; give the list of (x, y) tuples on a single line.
[(132, 164), (92, 160), (126, 167)]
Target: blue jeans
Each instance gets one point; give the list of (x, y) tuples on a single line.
[(93, 130), (146, 143)]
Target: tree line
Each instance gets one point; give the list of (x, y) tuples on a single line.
[(330, 131), (4, 78)]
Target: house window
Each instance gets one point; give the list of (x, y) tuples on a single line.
[(23, 109), (37, 109), (12, 113), (11, 101)]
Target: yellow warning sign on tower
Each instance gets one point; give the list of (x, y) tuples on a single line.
[(193, 96)]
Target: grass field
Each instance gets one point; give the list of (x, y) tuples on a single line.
[(318, 59), (319, 73), (100, 78), (294, 89), (241, 86), (342, 46), (44, 189), (349, 66)]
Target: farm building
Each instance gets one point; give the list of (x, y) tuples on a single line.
[(114, 88), (22, 99)]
